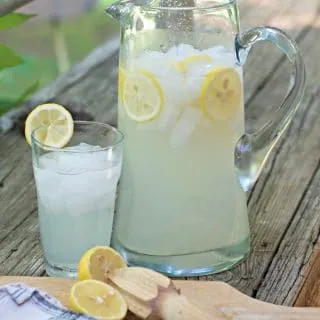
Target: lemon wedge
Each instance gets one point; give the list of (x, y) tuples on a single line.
[(192, 61), (97, 299), (143, 97), (58, 124), (98, 261), (221, 93)]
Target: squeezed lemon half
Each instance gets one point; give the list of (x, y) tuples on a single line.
[(97, 299), (98, 261)]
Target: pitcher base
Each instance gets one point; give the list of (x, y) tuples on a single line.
[(193, 264)]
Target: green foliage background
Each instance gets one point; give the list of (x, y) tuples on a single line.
[(9, 58), (32, 62)]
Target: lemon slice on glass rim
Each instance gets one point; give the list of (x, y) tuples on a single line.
[(221, 93), (57, 121), (97, 299), (142, 95)]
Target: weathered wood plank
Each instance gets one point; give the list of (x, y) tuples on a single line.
[(296, 245), (20, 252), (17, 209), (11, 189), (265, 59), (8, 143), (284, 277), (309, 294), (17, 192)]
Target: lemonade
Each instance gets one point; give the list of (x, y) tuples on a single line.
[(76, 193), (181, 205)]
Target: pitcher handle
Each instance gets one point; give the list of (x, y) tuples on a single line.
[(252, 150)]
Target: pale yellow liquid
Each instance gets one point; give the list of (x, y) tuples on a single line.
[(180, 201), (185, 199)]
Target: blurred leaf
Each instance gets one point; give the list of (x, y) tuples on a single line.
[(8, 58), (4, 108), (14, 19), (29, 91)]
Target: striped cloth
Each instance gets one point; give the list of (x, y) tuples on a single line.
[(20, 302)]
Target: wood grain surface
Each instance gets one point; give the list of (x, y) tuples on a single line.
[(285, 203)]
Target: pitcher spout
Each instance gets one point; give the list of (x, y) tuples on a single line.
[(119, 9)]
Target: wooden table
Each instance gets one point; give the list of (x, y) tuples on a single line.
[(284, 265)]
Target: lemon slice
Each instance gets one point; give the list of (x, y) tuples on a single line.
[(193, 61), (221, 93), (98, 261), (97, 299), (58, 122), (143, 96)]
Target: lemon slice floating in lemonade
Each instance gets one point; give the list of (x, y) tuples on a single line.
[(97, 299), (98, 261), (221, 93), (58, 124), (142, 95)]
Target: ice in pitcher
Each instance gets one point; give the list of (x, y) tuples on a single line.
[(76, 202), (181, 112)]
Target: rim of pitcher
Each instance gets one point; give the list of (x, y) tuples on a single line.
[(206, 6)]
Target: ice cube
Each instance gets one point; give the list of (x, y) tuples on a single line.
[(228, 60), (74, 180), (173, 53), (216, 51), (221, 56), (80, 158), (181, 88), (181, 51), (153, 61), (75, 194), (145, 59), (83, 147), (169, 116), (194, 79), (185, 127)]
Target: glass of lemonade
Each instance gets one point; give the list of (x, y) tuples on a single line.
[(76, 189)]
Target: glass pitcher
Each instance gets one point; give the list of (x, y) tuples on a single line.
[(187, 159)]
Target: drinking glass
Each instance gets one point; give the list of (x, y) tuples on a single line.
[(76, 189)]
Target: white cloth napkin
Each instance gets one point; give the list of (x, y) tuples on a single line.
[(20, 302)]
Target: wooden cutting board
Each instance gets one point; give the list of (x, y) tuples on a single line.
[(217, 298)]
